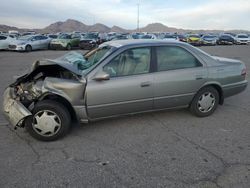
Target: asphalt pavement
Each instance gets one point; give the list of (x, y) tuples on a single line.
[(160, 149)]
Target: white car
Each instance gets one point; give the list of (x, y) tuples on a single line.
[(242, 39), (5, 41)]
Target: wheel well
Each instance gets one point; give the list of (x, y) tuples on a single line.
[(220, 91), (64, 102)]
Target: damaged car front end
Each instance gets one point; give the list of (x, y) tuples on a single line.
[(58, 80)]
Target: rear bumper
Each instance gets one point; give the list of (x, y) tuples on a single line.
[(233, 89), (14, 111)]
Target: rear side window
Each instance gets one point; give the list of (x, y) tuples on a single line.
[(3, 38), (43, 37), (172, 58)]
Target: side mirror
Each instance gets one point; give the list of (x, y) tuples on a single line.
[(100, 76)]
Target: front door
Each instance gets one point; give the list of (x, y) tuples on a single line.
[(129, 89)]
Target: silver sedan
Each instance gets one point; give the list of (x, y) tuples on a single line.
[(118, 78), (30, 42)]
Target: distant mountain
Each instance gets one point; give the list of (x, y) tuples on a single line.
[(158, 27), (98, 27), (67, 26), (6, 28), (119, 29), (74, 25)]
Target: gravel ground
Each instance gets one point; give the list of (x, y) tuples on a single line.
[(163, 149)]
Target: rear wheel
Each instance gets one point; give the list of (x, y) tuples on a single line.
[(28, 48), (50, 121), (205, 102)]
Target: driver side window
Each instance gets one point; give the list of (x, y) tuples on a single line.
[(130, 62)]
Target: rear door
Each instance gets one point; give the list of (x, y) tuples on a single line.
[(129, 89), (178, 77), (44, 42), (36, 42)]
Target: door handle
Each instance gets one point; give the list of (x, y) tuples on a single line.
[(145, 84), (199, 77)]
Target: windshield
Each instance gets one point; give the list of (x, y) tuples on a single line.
[(170, 36), (146, 37), (26, 37), (83, 63), (64, 36), (91, 36), (242, 36), (209, 37)]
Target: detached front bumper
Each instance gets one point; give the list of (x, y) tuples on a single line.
[(14, 111)]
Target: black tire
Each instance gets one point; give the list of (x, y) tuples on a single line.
[(62, 114), (195, 106), (68, 47), (28, 48)]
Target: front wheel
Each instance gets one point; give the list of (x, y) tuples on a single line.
[(28, 48), (68, 47), (205, 102), (50, 120)]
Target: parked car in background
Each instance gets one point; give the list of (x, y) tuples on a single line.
[(121, 37), (209, 40), (242, 39), (226, 39), (5, 41), (170, 37), (65, 41), (135, 36), (52, 36), (194, 39), (119, 78), (148, 36), (28, 33), (89, 41), (111, 36), (182, 38), (30, 42), (102, 37)]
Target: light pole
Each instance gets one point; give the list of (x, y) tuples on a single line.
[(138, 17)]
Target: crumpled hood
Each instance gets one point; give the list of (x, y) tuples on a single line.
[(72, 61)]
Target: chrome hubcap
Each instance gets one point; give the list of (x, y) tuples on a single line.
[(206, 102), (46, 123)]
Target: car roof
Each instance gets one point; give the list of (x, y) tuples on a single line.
[(135, 42)]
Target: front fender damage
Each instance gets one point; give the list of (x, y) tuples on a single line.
[(54, 80), (13, 109)]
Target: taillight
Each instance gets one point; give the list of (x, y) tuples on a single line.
[(244, 72)]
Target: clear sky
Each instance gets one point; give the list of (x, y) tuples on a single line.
[(187, 14)]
